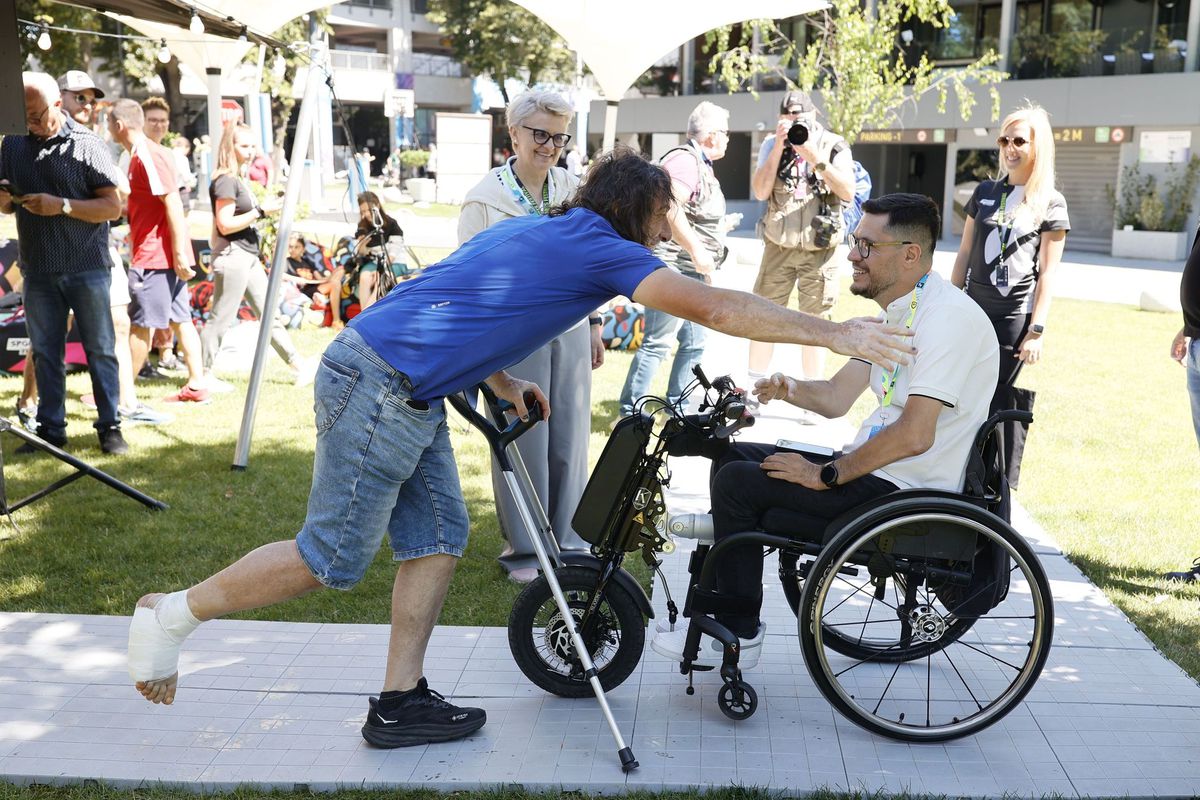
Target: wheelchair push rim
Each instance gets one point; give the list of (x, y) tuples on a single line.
[(962, 683)]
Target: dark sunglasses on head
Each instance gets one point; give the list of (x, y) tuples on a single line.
[(541, 137), (1019, 141)]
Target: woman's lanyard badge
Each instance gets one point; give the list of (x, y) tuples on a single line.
[(522, 195), (888, 378), (1004, 224)]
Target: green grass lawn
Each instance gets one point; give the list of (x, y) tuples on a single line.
[(1111, 471)]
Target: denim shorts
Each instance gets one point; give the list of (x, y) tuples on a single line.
[(383, 463)]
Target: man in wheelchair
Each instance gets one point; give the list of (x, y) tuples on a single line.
[(919, 436)]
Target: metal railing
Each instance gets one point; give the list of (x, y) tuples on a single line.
[(354, 59), (435, 64), (1120, 51), (385, 5)]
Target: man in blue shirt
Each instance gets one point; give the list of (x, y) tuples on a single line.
[(61, 183), (383, 458)]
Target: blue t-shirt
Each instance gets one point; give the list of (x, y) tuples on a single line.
[(506, 292)]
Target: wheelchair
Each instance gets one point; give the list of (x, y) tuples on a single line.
[(922, 615)]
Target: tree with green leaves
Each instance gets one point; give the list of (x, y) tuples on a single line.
[(854, 56), (500, 39), (67, 50)]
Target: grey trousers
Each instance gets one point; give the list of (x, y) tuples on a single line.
[(237, 273), (555, 452)]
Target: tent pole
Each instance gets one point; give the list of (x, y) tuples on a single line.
[(291, 198), (610, 125)]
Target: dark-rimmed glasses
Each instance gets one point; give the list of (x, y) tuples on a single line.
[(541, 137), (37, 120), (84, 99), (1004, 141), (863, 246)]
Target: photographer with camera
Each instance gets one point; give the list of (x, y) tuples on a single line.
[(805, 173)]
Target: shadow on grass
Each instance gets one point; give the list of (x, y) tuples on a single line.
[(603, 415)]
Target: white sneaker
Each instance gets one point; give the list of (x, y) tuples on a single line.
[(670, 645), (306, 370), (692, 526), (217, 386)]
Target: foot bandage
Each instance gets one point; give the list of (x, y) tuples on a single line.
[(155, 636)]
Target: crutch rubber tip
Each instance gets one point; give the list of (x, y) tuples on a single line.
[(628, 762)]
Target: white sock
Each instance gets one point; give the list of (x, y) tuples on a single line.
[(155, 636)]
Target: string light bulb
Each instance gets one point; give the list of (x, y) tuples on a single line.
[(43, 41), (164, 52), (196, 25), (242, 35)]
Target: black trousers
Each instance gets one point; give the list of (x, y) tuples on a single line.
[(741, 493), (1010, 331)]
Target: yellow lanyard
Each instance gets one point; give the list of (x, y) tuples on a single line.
[(889, 378)]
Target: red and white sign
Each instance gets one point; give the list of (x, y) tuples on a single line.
[(1118, 135), (231, 112), (922, 136)]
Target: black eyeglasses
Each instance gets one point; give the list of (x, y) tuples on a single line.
[(794, 112), (863, 246), (541, 137), (37, 119), (1019, 141)]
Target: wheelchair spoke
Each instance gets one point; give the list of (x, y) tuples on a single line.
[(869, 659), (989, 655), (859, 590), (954, 666), (864, 622), (885, 690)]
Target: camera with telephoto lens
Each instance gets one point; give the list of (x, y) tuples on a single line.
[(797, 134), (824, 227)]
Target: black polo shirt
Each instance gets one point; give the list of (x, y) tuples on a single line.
[(75, 163), (1189, 292)]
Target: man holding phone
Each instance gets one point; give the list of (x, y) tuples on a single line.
[(61, 183)]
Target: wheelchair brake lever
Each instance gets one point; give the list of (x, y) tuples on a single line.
[(746, 420)]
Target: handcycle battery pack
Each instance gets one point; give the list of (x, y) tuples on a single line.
[(612, 478)]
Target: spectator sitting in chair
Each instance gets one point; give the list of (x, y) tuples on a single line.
[(919, 436)]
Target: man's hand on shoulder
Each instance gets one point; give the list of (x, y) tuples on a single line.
[(870, 339), (793, 468)]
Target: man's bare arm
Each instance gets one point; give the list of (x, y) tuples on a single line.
[(181, 240), (752, 317), (831, 398)]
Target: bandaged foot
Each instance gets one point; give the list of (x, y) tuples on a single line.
[(160, 624)]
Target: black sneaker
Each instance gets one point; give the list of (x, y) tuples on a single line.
[(31, 449), (112, 442), (152, 373), (1189, 576), (423, 716)]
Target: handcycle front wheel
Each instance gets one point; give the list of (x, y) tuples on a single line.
[(973, 679), (542, 646)]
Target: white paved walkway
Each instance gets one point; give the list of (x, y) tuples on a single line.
[(280, 705)]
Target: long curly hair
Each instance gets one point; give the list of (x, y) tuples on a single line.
[(627, 190)]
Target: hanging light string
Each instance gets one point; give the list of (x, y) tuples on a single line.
[(33, 29)]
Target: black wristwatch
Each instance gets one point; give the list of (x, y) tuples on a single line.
[(1037, 329), (260, 212), (596, 320), (829, 474)]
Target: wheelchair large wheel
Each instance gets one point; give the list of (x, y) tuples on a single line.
[(542, 647), (958, 563), (864, 642)]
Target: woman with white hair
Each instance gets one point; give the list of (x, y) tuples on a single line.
[(555, 453)]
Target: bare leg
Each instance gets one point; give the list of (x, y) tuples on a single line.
[(28, 383), (417, 596), (760, 356), (189, 341), (139, 347), (128, 394), (813, 359), (268, 575)]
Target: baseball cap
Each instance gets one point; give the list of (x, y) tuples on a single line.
[(797, 99), (75, 80)]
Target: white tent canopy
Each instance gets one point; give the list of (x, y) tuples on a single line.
[(621, 39)]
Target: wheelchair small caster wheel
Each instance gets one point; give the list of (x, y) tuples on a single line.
[(691, 690), (737, 700)]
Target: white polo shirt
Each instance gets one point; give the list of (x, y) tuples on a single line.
[(957, 364)]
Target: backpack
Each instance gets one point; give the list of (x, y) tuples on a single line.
[(852, 212)]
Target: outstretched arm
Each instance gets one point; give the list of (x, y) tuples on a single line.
[(752, 317)]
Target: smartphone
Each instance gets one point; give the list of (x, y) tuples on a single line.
[(18, 197), (808, 449)]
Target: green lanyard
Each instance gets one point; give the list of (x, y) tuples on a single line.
[(1005, 226), (524, 199), (889, 378)]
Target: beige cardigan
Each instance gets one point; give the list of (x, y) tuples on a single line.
[(490, 201)]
